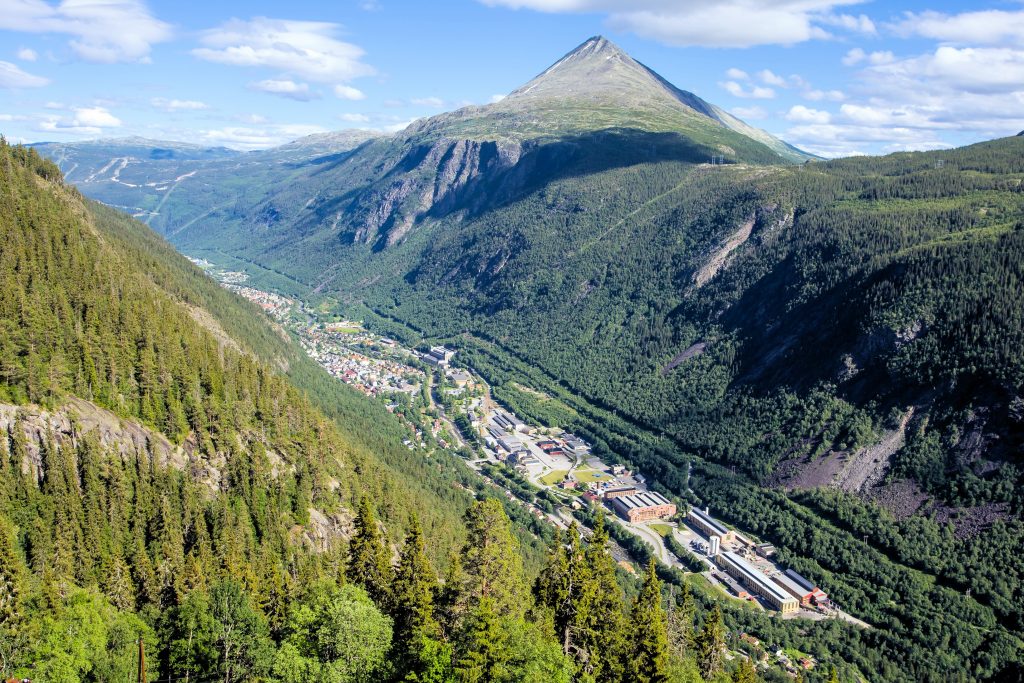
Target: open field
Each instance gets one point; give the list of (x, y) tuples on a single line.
[(553, 477), (588, 476)]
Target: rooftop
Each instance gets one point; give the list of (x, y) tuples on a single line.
[(752, 573), (709, 520), (643, 499)]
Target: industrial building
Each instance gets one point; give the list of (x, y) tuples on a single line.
[(610, 494), (641, 507), (802, 594), (809, 593), (757, 581), (439, 356), (709, 525)]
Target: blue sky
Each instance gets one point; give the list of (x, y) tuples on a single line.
[(835, 77)]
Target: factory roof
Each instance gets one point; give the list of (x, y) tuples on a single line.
[(792, 585), (752, 573), (800, 581), (644, 499), (709, 520)]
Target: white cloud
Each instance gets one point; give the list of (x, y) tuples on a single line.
[(102, 30), (299, 49), (96, 117), (496, 98), (13, 77), (754, 92), (857, 24), (245, 138), (857, 56), (27, 54), (973, 92), (735, 74), (435, 102), (286, 88), (86, 121), (815, 95), (253, 119), (964, 70), (749, 113), (854, 56), (178, 105), (801, 114), (396, 127), (724, 23), (354, 118), (347, 92), (771, 78), (986, 27)]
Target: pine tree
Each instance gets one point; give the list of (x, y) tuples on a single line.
[(368, 559), (680, 621), (833, 675), (482, 649), (416, 633), (648, 661), (491, 562), (745, 672), (710, 643), (12, 578)]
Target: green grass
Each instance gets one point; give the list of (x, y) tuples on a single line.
[(663, 529), (553, 477), (588, 476)]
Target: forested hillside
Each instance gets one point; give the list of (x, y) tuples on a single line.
[(164, 489), (850, 324)]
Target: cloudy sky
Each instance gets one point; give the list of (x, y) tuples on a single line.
[(835, 77)]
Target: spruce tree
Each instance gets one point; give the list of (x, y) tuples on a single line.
[(491, 562), (12, 578), (680, 621), (368, 560), (648, 660), (601, 640), (710, 643), (416, 633), (482, 650), (745, 672)]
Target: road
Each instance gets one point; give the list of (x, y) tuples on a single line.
[(653, 539)]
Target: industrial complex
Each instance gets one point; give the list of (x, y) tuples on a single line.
[(644, 506)]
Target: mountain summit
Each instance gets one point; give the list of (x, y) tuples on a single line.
[(599, 86)]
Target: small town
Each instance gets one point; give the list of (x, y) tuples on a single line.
[(556, 463)]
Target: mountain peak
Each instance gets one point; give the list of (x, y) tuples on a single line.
[(597, 64)]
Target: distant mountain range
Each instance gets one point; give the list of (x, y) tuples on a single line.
[(594, 98)]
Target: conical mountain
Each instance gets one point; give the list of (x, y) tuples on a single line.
[(599, 86)]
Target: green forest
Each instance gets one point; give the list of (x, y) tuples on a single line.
[(229, 564), (851, 300)]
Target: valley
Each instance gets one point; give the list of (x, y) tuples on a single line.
[(446, 405), (595, 324)]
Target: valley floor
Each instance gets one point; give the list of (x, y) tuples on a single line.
[(456, 410)]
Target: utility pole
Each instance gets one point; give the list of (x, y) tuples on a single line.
[(142, 662)]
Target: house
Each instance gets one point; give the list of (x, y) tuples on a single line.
[(567, 484)]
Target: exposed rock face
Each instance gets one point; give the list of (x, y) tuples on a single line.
[(69, 423)]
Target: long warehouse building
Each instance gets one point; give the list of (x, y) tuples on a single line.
[(708, 524), (757, 581)]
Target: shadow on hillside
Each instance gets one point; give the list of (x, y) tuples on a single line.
[(544, 162)]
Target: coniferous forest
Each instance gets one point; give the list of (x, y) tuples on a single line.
[(212, 534)]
